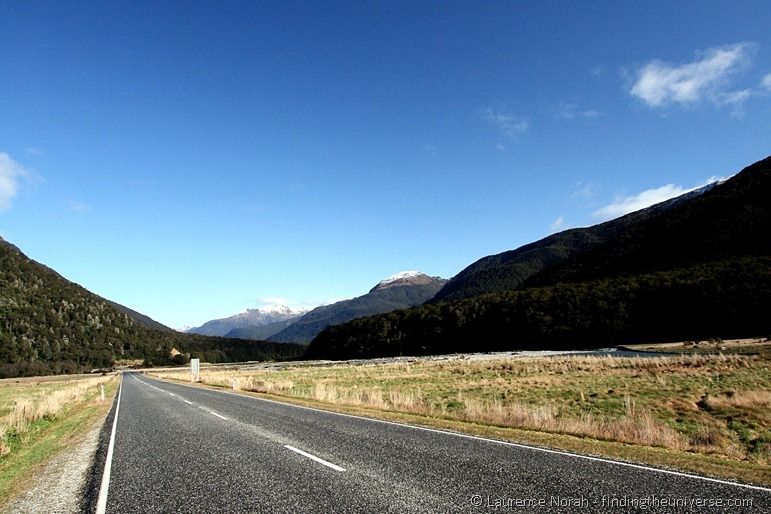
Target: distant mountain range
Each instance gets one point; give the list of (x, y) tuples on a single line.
[(399, 291), (692, 267), (252, 321), (284, 325)]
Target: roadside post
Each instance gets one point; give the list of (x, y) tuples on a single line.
[(195, 370)]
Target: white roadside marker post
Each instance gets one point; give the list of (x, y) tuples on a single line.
[(101, 392), (234, 384), (195, 370)]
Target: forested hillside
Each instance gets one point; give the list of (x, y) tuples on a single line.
[(697, 266), (51, 325)]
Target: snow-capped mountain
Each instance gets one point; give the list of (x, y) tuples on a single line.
[(405, 278), (399, 291), (247, 319)]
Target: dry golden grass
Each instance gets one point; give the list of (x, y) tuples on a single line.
[(743, 400), (716, 405), (33, 402)]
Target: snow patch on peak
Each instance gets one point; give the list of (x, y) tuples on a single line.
[(402, 275), (265, 315), (272, 309)]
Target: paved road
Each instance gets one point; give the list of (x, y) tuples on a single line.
[(187, 449)]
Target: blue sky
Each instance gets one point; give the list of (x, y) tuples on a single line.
[(194, 159)]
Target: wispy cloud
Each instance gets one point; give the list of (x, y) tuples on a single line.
[(77, 207), (12, 175), (271, 302), (568, 111), (707, 78), (583, 191), (511, 126), (622, 205), (558, 224), (765, 83)]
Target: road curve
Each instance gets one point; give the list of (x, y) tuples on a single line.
[(187, 449)]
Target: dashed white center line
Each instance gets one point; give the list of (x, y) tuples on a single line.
[(314, 458), (187, 402), (219, 416)]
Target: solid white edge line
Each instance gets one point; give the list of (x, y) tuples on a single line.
[(101, 502), (505, 443), (313, 457), (219, 416), (520, 445)]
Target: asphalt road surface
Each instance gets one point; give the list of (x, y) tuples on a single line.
[(187, 449)]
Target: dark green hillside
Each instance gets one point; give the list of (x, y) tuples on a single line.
[(693, 267), (140, 318), (50, 325), (510, 270), (726, 298), (731, 219), (223, 349)]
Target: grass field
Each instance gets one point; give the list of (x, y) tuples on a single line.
[(704, 412), (41, 417)]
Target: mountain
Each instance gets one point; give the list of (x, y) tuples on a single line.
[(251, 318), (140, 318), (406, 278), (51, 325), (263, 332), (509, 270), (405, 289), (697, 266)]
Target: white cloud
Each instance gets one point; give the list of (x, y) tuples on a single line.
[(660, 83), (77, 207), (511, 126), (736, 98), (566, 111), (12, 175), (557, 224), (583, 191), (765, 83), (625, 204), (272, 302)]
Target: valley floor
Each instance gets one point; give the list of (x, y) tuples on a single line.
[(701, 411)]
